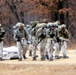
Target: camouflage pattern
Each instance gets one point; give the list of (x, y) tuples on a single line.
[(51, 35), (21, 36), (63, 36)]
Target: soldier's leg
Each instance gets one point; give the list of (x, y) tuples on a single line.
[(42, 50), (24, 47), (34, 48), (19, 51), (30, 45), (46, 54), (1, 50), (46, 50), (34, 53), (24, 52), (50, 51), (57, 50), (39, 46), (63, 48), (30, 49)]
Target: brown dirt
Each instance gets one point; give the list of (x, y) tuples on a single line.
[(29, 67)]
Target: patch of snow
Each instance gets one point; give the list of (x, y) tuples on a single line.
[(10, 52)]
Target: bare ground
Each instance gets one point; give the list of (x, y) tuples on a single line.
[(29, 67)]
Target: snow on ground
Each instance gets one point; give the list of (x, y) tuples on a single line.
[(10, 52)]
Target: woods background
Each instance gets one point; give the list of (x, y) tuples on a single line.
[(13, 11)]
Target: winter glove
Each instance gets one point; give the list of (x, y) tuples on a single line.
[(1, 39), (52, 35), (18, 39), (57, 38), (2, 34)]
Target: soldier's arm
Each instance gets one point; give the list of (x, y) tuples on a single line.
[(67, 34), (2, 34), (26, 34), (15, 35)]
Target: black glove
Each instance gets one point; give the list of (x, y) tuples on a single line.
[(52, 35), (1, 39), (57, 39), (42, 36), (2, 34), (18, 38)]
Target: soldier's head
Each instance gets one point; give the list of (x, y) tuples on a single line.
[(63, 27), (52, 26), (20, 26), (34, 23)]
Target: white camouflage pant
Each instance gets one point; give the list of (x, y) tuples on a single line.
[(57, 48), (34, 46), (22, 48), (49, 47), (30, 47), (1, 49), (63, 47), (42, 48)]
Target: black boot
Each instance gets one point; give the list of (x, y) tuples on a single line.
[(24, 57), (42, 58), (34, 58), (46, 56), (20, 59), (58, 57), (50, 59), (65, 57), (0, 59)]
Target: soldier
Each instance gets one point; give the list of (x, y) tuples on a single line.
[(21, 36), (41, 37), (29, 28), (41, 40), (56, 42), (34, 39), (64, 37), (51, 35), (2, 33), (16, 27)]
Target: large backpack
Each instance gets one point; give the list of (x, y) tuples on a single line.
[(15, 28)]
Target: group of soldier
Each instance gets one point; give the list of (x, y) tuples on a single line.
[(50, 36)]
